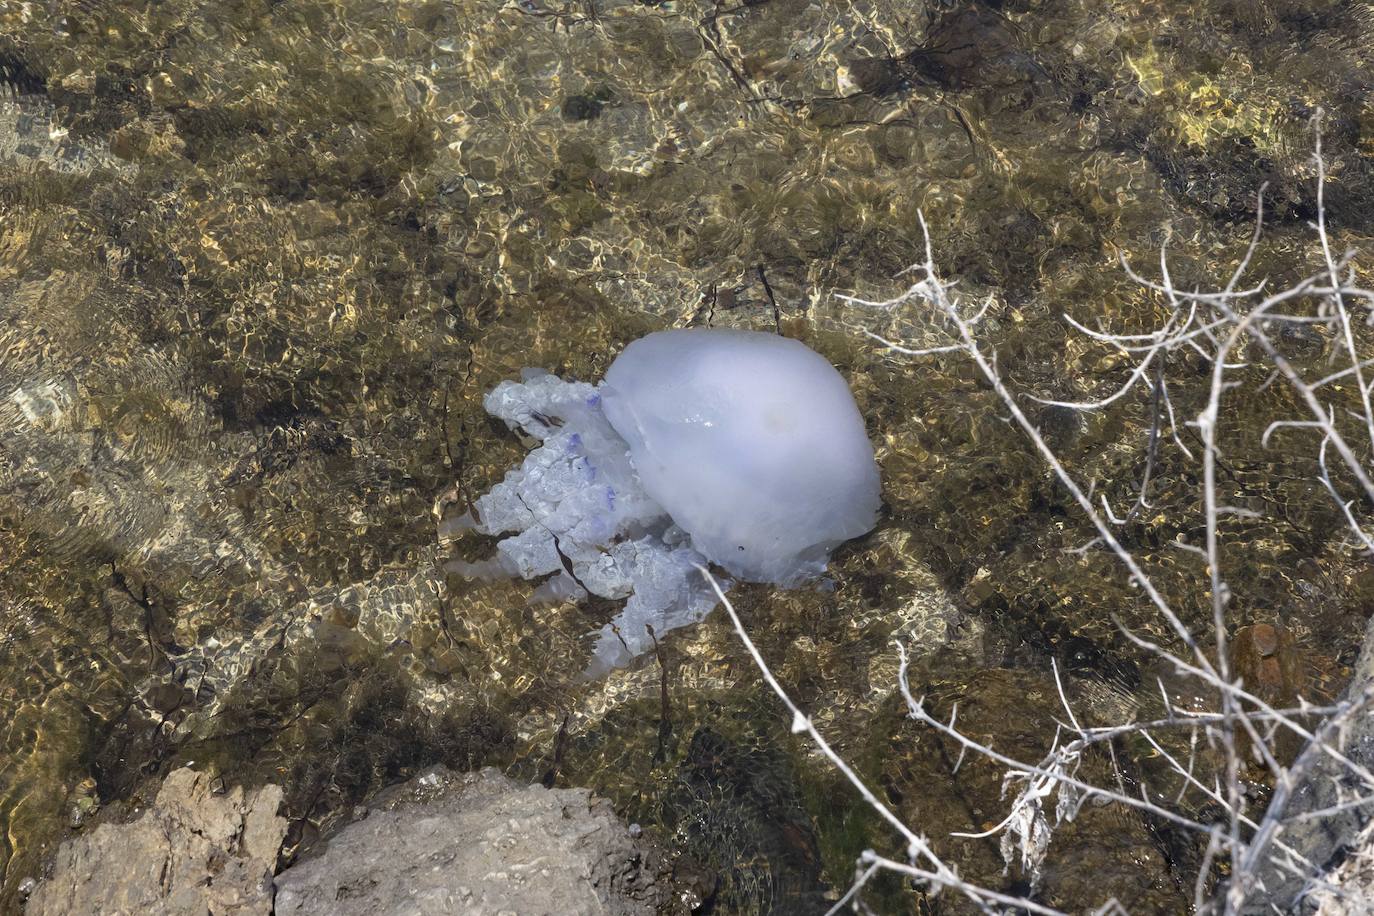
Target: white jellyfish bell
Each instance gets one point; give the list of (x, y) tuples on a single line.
[(737, 448)]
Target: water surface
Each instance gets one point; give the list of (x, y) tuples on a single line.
[(259, 261)]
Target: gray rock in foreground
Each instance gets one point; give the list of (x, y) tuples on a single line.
[(1286, 880), (1348, 890), (478, 844), (193, 851)]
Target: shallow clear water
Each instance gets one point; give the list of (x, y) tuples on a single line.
[(259, 262)]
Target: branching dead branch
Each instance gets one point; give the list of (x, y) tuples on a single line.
[(1232, 329)]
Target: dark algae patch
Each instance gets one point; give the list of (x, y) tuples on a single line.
[(260, 261)]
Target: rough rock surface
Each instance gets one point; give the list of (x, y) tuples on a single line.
[(1348, 890), (193, 851), (478, 843), (1340, 842)]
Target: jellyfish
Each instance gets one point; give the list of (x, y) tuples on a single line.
[(738, 449)]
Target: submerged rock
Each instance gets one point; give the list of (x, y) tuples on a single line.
[(479, 843), (193, 851)]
